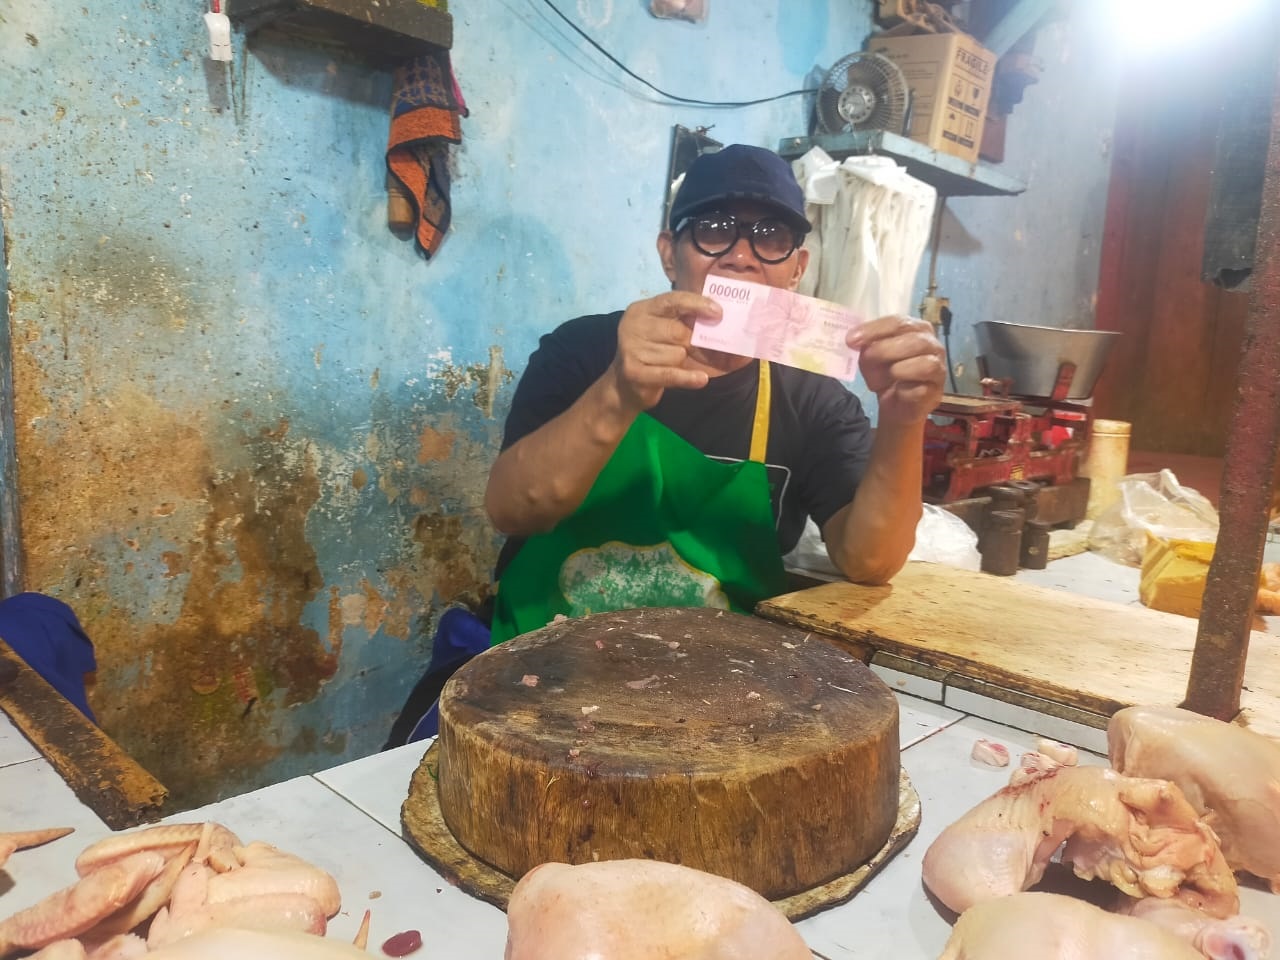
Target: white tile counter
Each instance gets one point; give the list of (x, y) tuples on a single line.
[(347, 820)]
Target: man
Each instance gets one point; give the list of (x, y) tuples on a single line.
[(640, 470)]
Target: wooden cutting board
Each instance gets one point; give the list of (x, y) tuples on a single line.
[(726, 743), (1057, 647)]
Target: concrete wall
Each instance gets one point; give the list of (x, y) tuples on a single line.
[(1034, 259), (253, 427)]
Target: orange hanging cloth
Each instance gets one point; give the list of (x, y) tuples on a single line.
[(426, 112)]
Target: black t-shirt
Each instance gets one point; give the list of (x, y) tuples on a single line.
[(819, 436)]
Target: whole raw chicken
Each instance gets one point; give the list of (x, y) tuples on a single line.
[(1049, 926), (641, 909), (1229, 774), (1140, 835)]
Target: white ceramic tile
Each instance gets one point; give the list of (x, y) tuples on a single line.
[(374, 868), (1090, 574), (1068, 731), (918, 719), (378, 784), (14, 747), (33, 797), (893, 919), (900, 682)]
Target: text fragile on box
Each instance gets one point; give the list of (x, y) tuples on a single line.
[(950, 79)]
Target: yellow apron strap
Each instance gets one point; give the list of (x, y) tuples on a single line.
[(760, 425)]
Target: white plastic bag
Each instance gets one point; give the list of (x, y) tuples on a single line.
[(810, 555), (942, 537), (1152, 503)]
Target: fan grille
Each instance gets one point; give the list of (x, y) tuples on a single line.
[(863, 91)]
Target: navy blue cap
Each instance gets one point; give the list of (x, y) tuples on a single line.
[(740, 172)]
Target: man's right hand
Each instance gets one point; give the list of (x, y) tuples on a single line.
[(653, 347)]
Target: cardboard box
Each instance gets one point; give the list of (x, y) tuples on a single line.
[(950, 78)]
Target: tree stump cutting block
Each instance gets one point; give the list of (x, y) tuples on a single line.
[(723, 742)]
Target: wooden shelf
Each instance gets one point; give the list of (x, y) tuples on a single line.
[(950, 176), (385, 33)]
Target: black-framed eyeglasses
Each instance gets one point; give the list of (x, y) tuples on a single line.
[(772, 239)]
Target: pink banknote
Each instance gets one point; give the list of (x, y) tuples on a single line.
[(781, 326)]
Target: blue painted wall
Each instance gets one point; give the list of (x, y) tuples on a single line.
[(253, 427)]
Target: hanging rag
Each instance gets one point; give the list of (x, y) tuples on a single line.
[(871, 223), (426, 112)]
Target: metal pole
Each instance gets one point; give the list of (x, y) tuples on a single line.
[(1231, 590)]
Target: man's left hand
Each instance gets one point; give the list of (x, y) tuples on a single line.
[(904, 364)]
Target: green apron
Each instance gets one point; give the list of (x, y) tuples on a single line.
[(663, 526)]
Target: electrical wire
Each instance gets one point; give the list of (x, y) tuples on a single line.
[(658, 90)]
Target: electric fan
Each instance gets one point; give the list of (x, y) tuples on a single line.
[(863, 91)]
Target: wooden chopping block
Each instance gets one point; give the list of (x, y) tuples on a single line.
[(727, 743)]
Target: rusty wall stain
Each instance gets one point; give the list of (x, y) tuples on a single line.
[(450, 562), (434, 445), (484, 378), (233, 653), (237, 652), (174, 521)]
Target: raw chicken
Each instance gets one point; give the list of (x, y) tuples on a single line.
[(75, 909), (223, 943), (266, 869), (1031, 766), (213, 841), (1140, 835), (1229, 774), (269, 890), (1049, 926), (1063, 753), (23, 839), (637, 909), (1235, 938), (991, 753), (60, 950)]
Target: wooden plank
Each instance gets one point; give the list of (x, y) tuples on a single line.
[(102, 776), (1087, 654)]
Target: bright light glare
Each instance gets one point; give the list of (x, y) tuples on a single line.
[(1151, 26)]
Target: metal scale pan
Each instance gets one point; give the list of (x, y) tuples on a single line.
[(1031, 357)]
